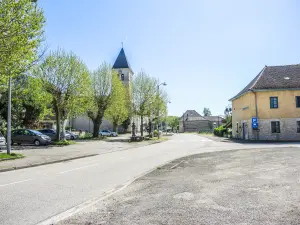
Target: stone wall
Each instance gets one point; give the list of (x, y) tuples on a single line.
[(195, 126), (85, 123), (288, 130)]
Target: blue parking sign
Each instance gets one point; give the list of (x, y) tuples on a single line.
[(254, 123)]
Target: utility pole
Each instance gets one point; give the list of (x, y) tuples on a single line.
[(9, 117)]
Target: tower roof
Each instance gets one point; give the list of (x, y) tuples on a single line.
[(121, 61)]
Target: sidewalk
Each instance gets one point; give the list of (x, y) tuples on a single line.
[(36, 156)]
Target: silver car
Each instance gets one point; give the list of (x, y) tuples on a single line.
[(108, 133), (2, 141)]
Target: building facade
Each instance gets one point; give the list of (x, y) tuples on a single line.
[(192, 121), (268, 108)]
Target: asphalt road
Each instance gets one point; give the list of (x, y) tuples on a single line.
[(257, 186), (33, 195)]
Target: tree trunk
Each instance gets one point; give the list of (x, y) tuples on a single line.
[(96, 122), (57, 117), (142, 126), (115, 125), (63, 132)]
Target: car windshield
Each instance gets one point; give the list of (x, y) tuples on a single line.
[(36, 132)]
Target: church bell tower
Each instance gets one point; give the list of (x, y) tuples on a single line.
[(123, 68)]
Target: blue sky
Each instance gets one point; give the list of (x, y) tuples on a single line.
[(206, 51)]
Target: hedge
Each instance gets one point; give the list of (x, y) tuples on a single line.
[(219, 131)]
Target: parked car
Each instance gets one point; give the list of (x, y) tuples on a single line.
[(2, 141), (108, 133), (26, 136), (52, 133), (49, 132), (72, 135)]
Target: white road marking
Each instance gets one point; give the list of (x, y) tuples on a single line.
[(78, 168), (17, 182)]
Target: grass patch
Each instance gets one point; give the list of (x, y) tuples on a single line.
[(63, 143), (89, 136), (4, 156)]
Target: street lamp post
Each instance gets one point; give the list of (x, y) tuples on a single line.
[(9, 117), (164, 84)]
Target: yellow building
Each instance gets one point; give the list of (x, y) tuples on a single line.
[(268, 108)]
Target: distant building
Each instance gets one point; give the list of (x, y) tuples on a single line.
[(268, 108), (192, 121)]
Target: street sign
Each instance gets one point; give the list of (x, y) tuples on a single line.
[(254, 123)]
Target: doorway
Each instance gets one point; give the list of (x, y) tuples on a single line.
[(244, 131)]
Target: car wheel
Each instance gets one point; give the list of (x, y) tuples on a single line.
[(72, 138), (37, 142)]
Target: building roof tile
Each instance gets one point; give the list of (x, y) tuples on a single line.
[(274, 77)]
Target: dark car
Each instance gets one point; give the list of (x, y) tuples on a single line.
[(52, 133), (49, 132), (26, 136)]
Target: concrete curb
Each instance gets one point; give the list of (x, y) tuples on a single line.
[(45, 163)]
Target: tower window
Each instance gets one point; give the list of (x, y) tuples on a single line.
[(122, 76)]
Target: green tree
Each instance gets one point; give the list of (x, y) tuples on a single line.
[(101, 94), (35, 101), (21, 33), (206, 112), (118, 110), (30, 102), (173, 122), (228, 113), (66, 78), (143, 96)]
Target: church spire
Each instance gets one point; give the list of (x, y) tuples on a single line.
[(121, 61)]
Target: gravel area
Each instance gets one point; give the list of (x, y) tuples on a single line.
[(257, 186)]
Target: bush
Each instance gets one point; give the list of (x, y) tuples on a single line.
[(86, 136), (66, 142), (219, 131), (155, 133)]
